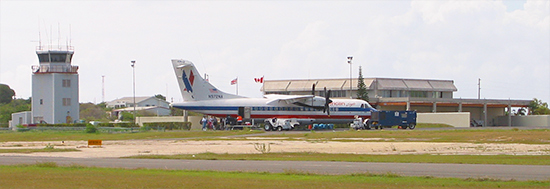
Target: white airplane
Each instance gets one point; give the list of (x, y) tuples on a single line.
[(202, 97)]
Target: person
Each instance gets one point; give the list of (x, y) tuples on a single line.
[(211, 122), (239, 120), (203, 122)]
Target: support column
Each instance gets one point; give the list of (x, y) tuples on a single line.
[(434, 107), (408, 104), (484, 114), (185, 116), (460, 106), (509, 113)]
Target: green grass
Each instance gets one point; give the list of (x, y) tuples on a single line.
[(28, 151), (50, 175), (536, 136), (80, 135), (423, 158), (433, 125)]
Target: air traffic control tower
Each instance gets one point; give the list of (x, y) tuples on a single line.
[(55, 86)]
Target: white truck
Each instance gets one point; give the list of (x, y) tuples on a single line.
[(279, 124)]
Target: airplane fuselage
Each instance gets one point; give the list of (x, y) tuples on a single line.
[(341, 110)]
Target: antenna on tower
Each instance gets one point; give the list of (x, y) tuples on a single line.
[(70, 35), (58, 36)]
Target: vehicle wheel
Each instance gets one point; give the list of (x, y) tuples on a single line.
[(279, 128), (412, 126), (404, 127), (376, 127), (268, 127)]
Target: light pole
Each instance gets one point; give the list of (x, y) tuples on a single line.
[(349, 62), (134, 82)]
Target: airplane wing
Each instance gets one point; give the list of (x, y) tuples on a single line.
[(302, 100)]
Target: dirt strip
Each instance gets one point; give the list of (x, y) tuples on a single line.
[(168, 147)]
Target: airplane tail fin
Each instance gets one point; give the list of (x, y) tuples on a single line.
[(193, 87)]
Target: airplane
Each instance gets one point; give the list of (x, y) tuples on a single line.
[(202, 97)]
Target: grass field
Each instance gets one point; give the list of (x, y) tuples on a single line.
[(536, 136), (423, 158), (80, 135), (50, 175)]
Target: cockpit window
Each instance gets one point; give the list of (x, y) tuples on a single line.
[(366, 106)]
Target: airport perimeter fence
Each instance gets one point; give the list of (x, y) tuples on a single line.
[(80, 128), (163, 126)]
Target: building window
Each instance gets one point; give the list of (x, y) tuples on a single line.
[(66, 83), (419, 94), (336, 93), (41, 101), (66, 101)]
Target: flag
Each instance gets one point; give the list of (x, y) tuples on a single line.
[(259, 80), (234, 81)]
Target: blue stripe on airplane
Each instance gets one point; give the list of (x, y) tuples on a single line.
[(235, 108)]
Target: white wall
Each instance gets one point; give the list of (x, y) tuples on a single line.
[(195, 120), (20, 118), (529, 120), (48, 88), (455, 119)]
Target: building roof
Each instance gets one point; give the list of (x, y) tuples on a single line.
[(343, 84), (131, 99)]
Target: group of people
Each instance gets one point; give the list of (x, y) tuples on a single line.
[(211, 122)]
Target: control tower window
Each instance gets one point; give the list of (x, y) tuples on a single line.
[(44, 57), (55, 57), (58, 57)]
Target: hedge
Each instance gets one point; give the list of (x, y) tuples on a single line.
[(122, 124), (62, 125), (169, 125)]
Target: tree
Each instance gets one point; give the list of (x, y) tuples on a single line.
[(6, 94), (17, 105), (537, 107), (361, 87), (92, 112), (159, 96)]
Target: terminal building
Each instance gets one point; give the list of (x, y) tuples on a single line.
[(422, 95)]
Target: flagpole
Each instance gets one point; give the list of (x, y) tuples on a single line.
[(237, 86)]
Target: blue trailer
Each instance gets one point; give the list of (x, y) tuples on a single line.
[(403, 119)]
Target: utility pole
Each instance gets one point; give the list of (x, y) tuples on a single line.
[(350, 89), (134, 82)]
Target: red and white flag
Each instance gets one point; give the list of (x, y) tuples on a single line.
[(234, 81), (259, 80)]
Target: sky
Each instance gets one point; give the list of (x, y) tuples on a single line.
[(506, 44)]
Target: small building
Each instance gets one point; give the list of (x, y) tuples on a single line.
[(422, 95), (151, 105)]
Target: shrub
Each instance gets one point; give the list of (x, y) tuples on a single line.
[(91, 129)]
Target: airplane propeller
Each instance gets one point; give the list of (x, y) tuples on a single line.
[(327, 101)]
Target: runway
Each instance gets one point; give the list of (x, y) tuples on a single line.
[(504, 172)]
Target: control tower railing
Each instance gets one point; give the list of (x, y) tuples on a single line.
[(41, 69)]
